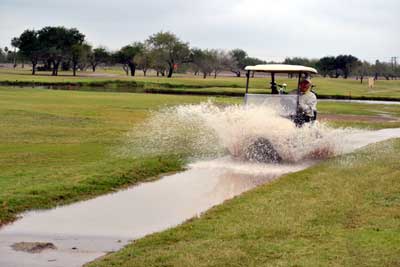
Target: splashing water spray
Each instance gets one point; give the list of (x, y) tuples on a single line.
[(208, 130)]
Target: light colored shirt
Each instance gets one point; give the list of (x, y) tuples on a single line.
[(308, 103)]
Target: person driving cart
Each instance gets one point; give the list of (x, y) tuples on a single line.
[(307, 104)]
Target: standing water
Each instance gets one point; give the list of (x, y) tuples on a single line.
[(81, 232)]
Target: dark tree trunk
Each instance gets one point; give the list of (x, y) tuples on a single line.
[(144, 72), (74, 67), (15, 58), (163, 73), (170, 71), (56, 64), (215, 74), (204, 75), (158, 73), (34, 67), (132, 68), (361, 79), (94, 67)]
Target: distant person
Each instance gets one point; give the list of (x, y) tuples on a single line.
[(307, 104)]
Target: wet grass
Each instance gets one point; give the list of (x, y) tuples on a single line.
[(59, 146), (189, 84), (342, 212)]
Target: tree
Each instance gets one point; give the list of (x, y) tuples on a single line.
[(221, 61), (57, 43), (144, 60), (383, 69), (159, 61), (15, 43), (29, 47), (127, 54), (204, 60), (362, 70), (169, 48), (2, 55), (326, 66), (79, 53), (239, 61), (345, 64), (97, 56)]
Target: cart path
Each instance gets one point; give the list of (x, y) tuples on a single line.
[(362, 118)]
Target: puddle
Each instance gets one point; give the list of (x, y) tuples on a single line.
[(108, 222), (84, 231)]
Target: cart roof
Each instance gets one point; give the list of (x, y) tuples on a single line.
[(281, 68)]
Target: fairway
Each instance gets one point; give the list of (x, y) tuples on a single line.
[(199, 134), (58, 146), (189, 84)]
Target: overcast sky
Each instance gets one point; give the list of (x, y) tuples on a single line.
[(267, 29)]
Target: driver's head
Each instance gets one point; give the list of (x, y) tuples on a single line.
[(305, 85)]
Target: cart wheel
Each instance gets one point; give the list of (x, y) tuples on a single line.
[(262, 151)]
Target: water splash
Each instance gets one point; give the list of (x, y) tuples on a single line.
[(208, 130)]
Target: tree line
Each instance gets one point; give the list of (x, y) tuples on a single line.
[(55, 48), (348, 65)]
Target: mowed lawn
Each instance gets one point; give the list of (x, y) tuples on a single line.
[(59, 146), (222, 85), (342, 212)]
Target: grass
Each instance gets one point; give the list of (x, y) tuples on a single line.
[(179, 84), (57, 146), (342, 212)]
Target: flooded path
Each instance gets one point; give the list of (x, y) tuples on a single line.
[(84, 231)]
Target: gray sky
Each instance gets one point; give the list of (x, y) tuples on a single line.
[(267, 29)]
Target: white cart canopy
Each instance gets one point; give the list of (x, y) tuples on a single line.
[(281, 68)]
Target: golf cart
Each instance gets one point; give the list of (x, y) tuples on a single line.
[(287, 104)]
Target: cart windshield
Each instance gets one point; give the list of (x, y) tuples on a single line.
[(284, 104)]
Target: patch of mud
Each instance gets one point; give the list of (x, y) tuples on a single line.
[(33, 247)]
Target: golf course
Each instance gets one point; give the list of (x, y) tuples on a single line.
[(61, 146), (199, 133)]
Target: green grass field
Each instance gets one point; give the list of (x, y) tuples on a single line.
[(342, 212), (194, 84), (58, 146)]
